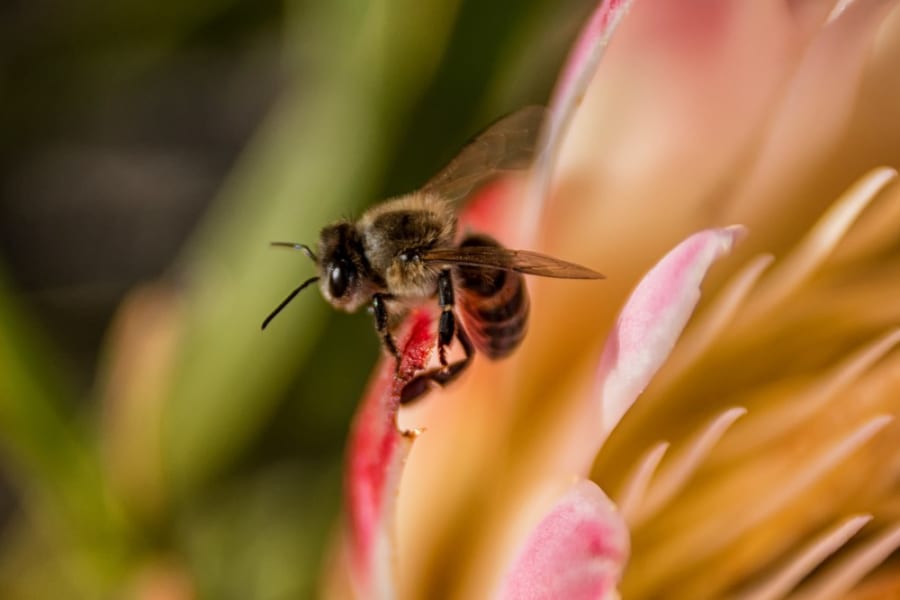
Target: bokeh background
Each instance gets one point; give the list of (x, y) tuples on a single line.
[(153, 442)]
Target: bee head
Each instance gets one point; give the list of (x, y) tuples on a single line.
[(343, 266)]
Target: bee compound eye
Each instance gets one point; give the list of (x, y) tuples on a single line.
[(338, 280)]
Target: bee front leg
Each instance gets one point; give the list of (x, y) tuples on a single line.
[(379, 309), (447, 324)]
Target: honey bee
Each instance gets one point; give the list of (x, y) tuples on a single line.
[(406, 250)]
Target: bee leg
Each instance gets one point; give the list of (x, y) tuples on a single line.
[(447, 324), (379, 309), (417, 387)]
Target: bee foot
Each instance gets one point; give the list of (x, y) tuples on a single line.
[(415, 389)]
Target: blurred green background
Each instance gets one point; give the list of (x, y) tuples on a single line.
[(153, 442)]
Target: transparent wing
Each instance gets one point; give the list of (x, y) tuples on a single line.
[(521, 261), (508, 144)]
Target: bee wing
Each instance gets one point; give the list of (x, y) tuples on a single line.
[(508, 144), (521, 261)]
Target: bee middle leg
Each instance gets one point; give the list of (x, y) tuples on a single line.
[(379, 309), (442, 375)]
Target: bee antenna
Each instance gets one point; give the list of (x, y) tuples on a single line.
[(287, 300), (295, 246)]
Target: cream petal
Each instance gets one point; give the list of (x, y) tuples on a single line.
[(797, 153), (810, 15), (740, 507), (818, 244), (780, 583), (779, 419), (679, 80), (675, 476), (636, 483), (680, 93), (875, 232), (839, 579)]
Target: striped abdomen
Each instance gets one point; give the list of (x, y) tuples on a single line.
[(494, 304)]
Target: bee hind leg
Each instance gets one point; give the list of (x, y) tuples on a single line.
[(447, 323), (442, 375)]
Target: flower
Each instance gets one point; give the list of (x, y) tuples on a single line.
[(776, 399)]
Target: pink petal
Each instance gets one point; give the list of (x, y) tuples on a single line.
[(585, 55), (653, 319), (577, 74), (643, 336), (377, 450), (577, 551)]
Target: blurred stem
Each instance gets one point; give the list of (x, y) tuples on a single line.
[(50, 458), (319, 155)]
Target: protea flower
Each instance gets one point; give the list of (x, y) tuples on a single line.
[(762, 440)]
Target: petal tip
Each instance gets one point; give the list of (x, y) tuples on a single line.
[(884, 174), (881, 421), (735, 233), (838, 10), (736, 412)]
